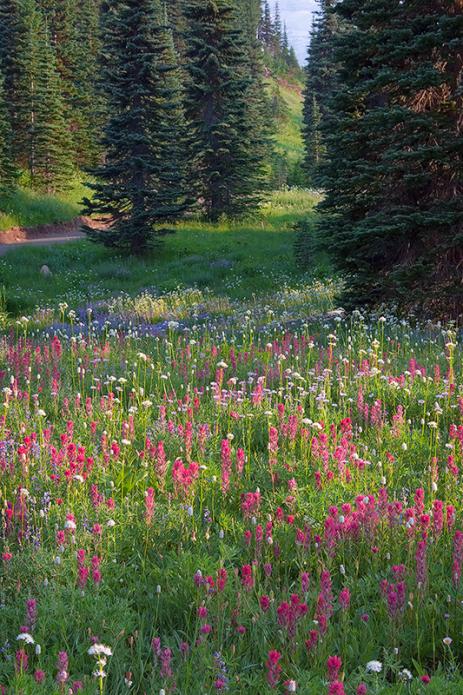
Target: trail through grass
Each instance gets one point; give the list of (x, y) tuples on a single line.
[(235, 260)]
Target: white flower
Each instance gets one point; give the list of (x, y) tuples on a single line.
[(291, 686), (97, 649), (222, 365), (374, 666), (447, 641), (26, 638), (70, 524), (38, 649), (100, 673), (406, 675), (110, 523)]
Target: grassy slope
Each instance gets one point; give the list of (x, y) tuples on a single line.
[(260, 250), (28, 209), (288, 141)]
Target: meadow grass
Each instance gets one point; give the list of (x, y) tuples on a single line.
[(289, 141), (236, 259), (24, 208), (251, 511)]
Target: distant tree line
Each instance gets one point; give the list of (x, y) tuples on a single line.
[(273, 34), (383, 127)]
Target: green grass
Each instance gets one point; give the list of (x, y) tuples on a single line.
[(288, 141), (27, 209), (260, 250)]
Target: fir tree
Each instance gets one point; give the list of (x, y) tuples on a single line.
[(7, 169), (177, 22), (220, 109), (10, 32), (140, 186), (266, 26), (51, 148), (394, 187), (41, 135), (277, 31), (321, 83)]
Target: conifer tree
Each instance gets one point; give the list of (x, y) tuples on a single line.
[(7, 169), (227, 165), (177, 23), (266, 26), (321, 84), (41, 135), (393, 213), (51, 145), (140, 186), (277, 31), (10, 29)]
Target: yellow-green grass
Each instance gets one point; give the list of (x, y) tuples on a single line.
[(25, 208)]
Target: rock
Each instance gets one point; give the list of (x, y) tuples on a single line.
[(224, 263), (45, 271)]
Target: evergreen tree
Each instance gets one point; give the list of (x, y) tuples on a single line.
[(51, 146), (277, 31), (41, 135), (177, 22), (227, 166), (321, 83), (10, 32), (394, 187), (292, 60), (86, 108), (7, 169), (266, 26), (73, 27), (140, 186)]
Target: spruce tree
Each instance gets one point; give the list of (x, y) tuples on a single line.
[(51, 145), (394, 188), (10, 32), (266, 26), (41, 135), (277, 31), (140, 186), (7, 169), (227, 167), (320, 85)]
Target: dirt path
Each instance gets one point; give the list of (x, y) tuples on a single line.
[(43, 235), (46, 241)]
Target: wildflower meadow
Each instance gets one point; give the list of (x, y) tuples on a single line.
[(267, 504)]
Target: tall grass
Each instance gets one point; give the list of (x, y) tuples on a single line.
[(24, 208)]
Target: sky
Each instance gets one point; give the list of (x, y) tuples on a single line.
[(298, 17)]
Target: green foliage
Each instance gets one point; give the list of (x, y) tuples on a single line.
[(26, 208), (140, 185), (279, 56), (321, 83), (394, 203), (226, 141), (42, 139), (7, 170)]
